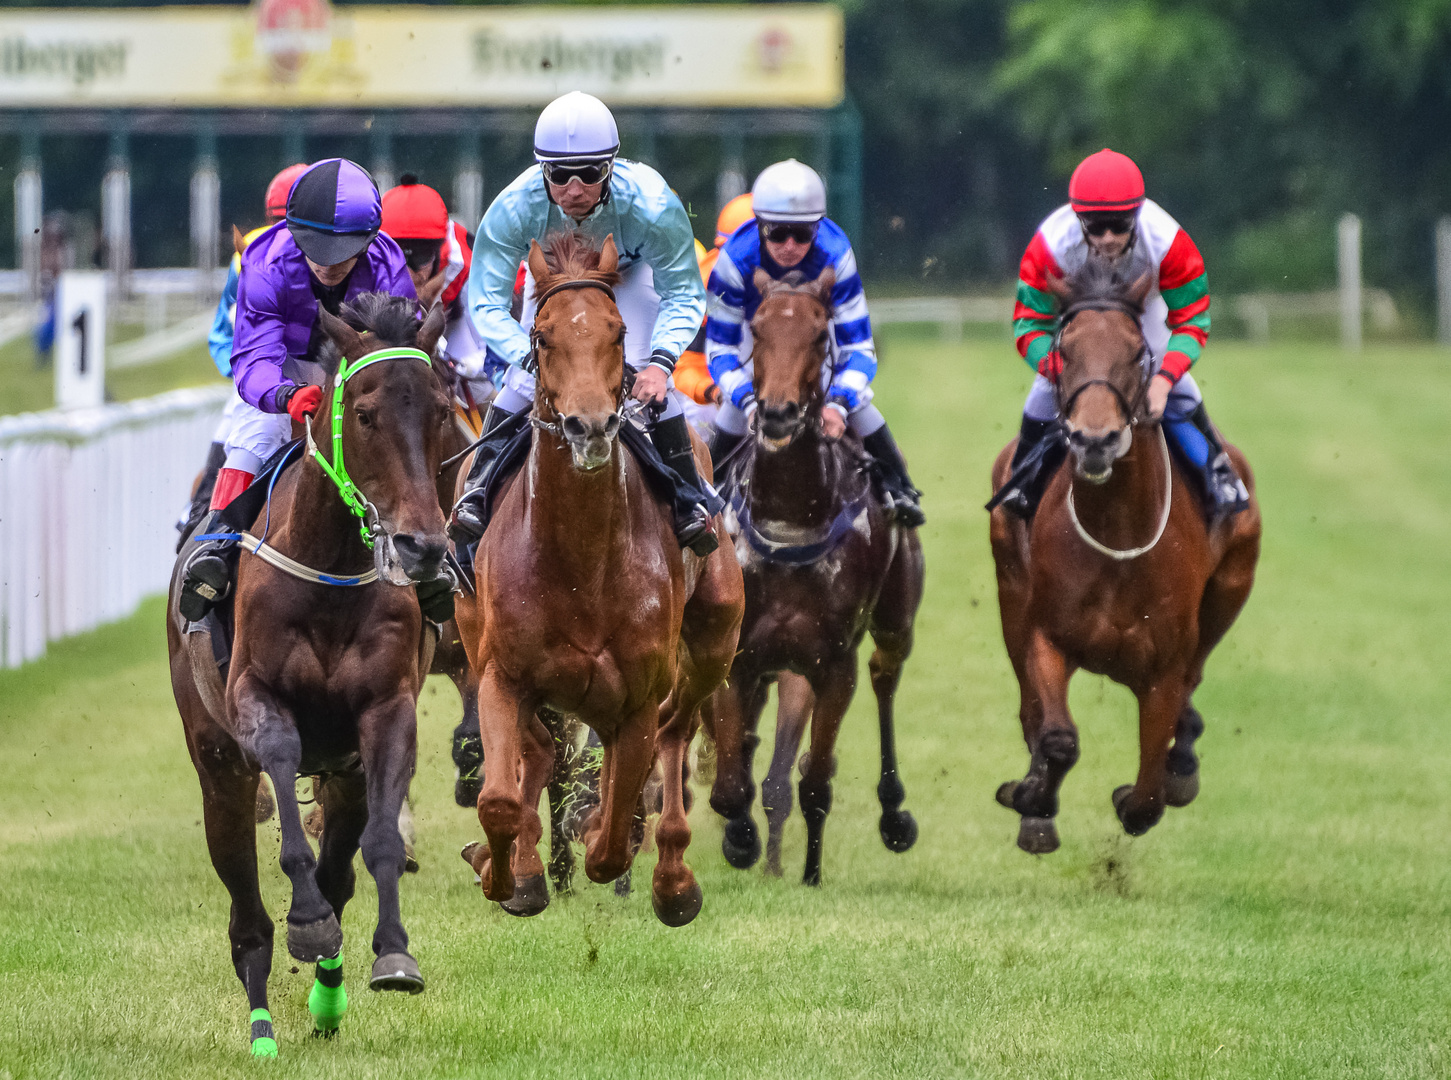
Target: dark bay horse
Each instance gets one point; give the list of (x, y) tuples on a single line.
[(1117, 573), (586, 605), (824, 562), (324, 679)]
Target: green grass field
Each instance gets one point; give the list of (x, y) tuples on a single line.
[(24, 387), (1291, 923)]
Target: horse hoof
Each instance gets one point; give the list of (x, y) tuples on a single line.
[(741, 844), (314, 941), (313, 823), (679, 909), (475, 854), (466, 791), (396, 971), (531, 896), (1038, 835), (1005, 793), (1120, 796), (898, 829), (1138, 825), (410, 860), (1181, 790)]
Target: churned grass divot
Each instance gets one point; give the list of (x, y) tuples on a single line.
[(1291, 923)]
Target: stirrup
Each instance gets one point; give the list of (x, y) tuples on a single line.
[(206, 583), (464, 525), (1226, 491), (697, 534)]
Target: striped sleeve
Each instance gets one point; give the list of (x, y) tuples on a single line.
[(1033, 312), (855, 362), (727, 312), (1184, 284)]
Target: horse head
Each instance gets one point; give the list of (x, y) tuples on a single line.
[(790, 345), (1102, 387), (394, 415), (579, 343)]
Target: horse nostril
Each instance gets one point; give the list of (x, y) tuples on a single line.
[(421, 556), (573, 427), (612, 425)]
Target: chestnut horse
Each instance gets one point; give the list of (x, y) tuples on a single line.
[(1117, 573), (324, 679), (824, 562), (586, 605)]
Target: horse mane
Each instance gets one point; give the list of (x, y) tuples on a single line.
[(571, 256), (1102, 281), (393, 320)]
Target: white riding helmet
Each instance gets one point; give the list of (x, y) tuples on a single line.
[(789, 191), (576, 127)]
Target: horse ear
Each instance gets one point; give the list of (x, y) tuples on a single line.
[(537, 265), (609, 256), (763, 281), (1058, 286), (344, 336), (1140, 288), (432, 288), (238, 240), (432, 329), (822, 287)]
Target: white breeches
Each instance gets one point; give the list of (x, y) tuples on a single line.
[(254, 436), (1041, 405)]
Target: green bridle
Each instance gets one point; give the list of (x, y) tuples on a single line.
[(336, 470)]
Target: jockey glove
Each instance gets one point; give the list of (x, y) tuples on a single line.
[(1051, 366), (302, 400)]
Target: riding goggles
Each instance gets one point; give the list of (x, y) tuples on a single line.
[(420, 254), (560, 173), (803, 232), (1118, 224)]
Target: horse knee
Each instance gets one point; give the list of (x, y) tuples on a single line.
[(499, 814), (776, 798)]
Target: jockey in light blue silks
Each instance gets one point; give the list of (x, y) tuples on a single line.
[(579, 184), (792, 236)]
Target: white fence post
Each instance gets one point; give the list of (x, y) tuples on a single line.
[(1443, 280), (1350, 288), (29, 213)]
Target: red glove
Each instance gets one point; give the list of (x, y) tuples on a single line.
[(305, 399), (1051, 366)]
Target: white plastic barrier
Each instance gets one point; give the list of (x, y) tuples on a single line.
[(88, 501)]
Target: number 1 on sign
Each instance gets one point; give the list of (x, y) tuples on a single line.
[(79, 324)]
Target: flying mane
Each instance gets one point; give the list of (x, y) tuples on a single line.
[(571, 256)]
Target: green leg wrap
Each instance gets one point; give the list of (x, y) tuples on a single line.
[(263, 1044), (329, 997)]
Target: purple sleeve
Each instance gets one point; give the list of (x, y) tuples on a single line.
[(258, 350)]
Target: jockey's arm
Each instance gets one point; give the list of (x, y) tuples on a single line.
[(724, 334), (1033, 311), (498, 248), (259, 349), (219, 339), (854, 365), (1184, 285), (669, 248)]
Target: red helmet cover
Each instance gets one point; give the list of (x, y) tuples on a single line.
[(414, 211), (1106, 180), (280, 188)]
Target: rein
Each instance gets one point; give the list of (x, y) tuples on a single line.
[(336, 470), (1120, 554)]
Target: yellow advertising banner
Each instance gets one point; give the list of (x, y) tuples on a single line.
[(285, 53)]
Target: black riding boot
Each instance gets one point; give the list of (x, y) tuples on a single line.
[(466, 523), (209, 572), (1224, 491), (721, 445), (901, 493), (202, 497), (1038, 463), (692, 522)]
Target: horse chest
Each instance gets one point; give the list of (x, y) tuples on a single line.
[(1116, 627)]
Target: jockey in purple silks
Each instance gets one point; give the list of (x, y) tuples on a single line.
[(327, 251)]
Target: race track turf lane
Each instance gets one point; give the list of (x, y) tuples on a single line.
[(1292, 922)]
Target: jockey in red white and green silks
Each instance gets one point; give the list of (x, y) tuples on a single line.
[(1108, 216)]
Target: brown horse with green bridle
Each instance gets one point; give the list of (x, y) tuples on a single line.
[(585, 605), (1118, 573)]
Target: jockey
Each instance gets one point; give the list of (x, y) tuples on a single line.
[(580, 184), (438, 252), (1107, 215), (792, 234), (326, 251), (219, 344)]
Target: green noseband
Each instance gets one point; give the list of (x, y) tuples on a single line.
[(336, 471)]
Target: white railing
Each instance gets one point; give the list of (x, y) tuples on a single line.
[(88, 500)]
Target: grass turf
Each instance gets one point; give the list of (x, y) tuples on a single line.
[(1290, 923), (24, 387)]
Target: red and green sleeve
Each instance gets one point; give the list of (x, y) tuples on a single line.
[(1033, 316), (1185, 288)]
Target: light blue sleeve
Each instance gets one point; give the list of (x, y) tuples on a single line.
[(219, 340), (499, 247), (670, 251)]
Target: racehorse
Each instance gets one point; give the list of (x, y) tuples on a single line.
[(586, 605), (323, 678), (824, 562), (1117, 573)]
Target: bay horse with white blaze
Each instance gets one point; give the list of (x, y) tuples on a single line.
[(323, 678), (1118, 573), (824, 561), (586, 605)]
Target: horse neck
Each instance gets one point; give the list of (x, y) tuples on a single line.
[(578, 519), (798, 484), (1124, 511)]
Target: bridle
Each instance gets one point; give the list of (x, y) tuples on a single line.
[(1133, 409)]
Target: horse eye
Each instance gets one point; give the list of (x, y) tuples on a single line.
[(365, 418)]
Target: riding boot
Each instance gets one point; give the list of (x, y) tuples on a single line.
[(1023, 498), (466, 523), (202, 497), (902, 495), (1200, 445), (721, 445), (208, 576), (692, 521)]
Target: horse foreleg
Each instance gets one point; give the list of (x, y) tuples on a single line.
[(344, 802), (1141, 805), (531, 894), (793, 712), (388, 738), (834, 686), (892, 626), (468, 753), (1052, 743), (313, 932), (501, 804), (738, 706), (627, 763)]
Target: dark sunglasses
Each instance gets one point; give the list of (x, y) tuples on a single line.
[(560, 173), (802, 233), (1099, 226)]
